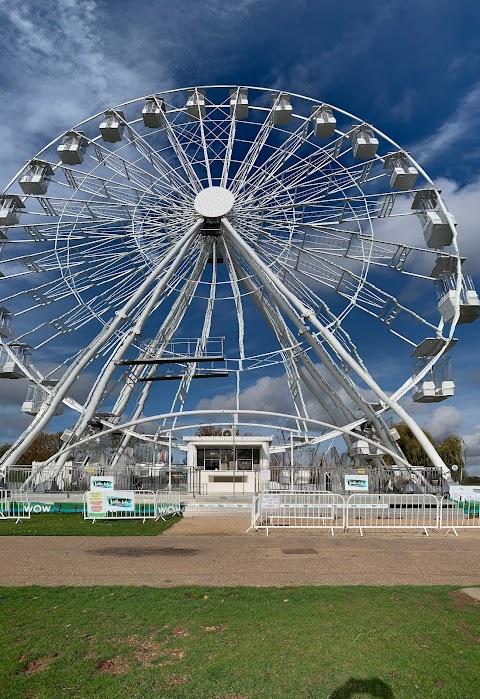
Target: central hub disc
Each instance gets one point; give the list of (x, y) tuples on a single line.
[(214, 202)]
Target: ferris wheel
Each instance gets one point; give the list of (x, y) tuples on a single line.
[(212, 232)]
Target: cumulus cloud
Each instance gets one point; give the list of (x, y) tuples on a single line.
[(67, 67), (472, 441), (445, 420)]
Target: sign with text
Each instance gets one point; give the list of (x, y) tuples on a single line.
[(465, 493), (104, 503), (356, 483), (102, 483)]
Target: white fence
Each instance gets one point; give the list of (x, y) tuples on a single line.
[(364, 511), (215, 509), (360, 511), (459, 515), (169, 502), (14, 505), (298, 509), (142, 504)]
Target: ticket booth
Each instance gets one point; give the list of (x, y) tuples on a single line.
[(228, 464)]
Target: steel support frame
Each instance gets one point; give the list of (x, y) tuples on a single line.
[(70, 376), (307, 315)]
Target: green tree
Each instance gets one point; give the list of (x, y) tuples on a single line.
[(411, 447), (4, 448), (209, 431), (452, 449), (42, 448)]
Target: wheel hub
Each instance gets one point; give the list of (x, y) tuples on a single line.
[(214, 202)]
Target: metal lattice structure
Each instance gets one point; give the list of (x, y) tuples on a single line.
[(190, 206)]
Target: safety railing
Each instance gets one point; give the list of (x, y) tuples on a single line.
[(298, 509), (364, 511), (169, 502), (102, 504), (14, 505), (459, 515), (216, 509)]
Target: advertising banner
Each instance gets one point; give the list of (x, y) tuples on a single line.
[(465, 493), (107, 503), (356, 483), (102, 483)]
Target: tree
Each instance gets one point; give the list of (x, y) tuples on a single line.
[(209, 431), (451, 449), (4, 448), (42, 448)]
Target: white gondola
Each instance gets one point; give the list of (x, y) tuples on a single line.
[(395, 434), (437, 385), (360, 448), (73, 148), (10, 205), (66, 436), (37, 178), (281, 108), (425, 392), (239, 103), (402, 173), (445, 264), (447, 294), (324, 123), (364, 142), (5, 319), (112, 126), (12, 368), (36, 396), (196, 104), (152, 112), (436, 223)]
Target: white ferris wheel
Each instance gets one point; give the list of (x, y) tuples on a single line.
[(216, 232)]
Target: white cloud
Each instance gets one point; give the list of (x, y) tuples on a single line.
[(454, 129), (464, 203), (472, 441), (444, 421), (59, 66)]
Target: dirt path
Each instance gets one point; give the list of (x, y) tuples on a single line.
[(191, 553)]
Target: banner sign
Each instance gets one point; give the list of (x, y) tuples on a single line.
[(465, 493), (356, 483), (103, 503), (270, 501), (102, 482)]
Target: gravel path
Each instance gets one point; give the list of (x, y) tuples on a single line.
[(194, 553)]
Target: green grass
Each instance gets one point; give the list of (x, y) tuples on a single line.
[(59, 524), (239, 643)]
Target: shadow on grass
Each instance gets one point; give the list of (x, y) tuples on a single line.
[(371, 687)]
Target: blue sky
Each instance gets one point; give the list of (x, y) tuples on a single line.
[(410, 68)]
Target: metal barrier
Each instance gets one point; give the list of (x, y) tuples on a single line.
[(459, 515), (298, 510), (138, 504), (14, 505), (365, 511), (169, 502), (215, 509)]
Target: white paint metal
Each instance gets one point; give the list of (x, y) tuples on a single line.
[(214, 202)]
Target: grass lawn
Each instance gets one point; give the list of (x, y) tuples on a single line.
[(239, 643), (73, 524)]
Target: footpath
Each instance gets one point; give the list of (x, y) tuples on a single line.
[(217, 551)]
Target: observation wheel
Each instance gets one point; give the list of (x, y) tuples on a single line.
[(226, 232)]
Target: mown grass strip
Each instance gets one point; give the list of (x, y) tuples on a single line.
[(73, 524), (239, 643)]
